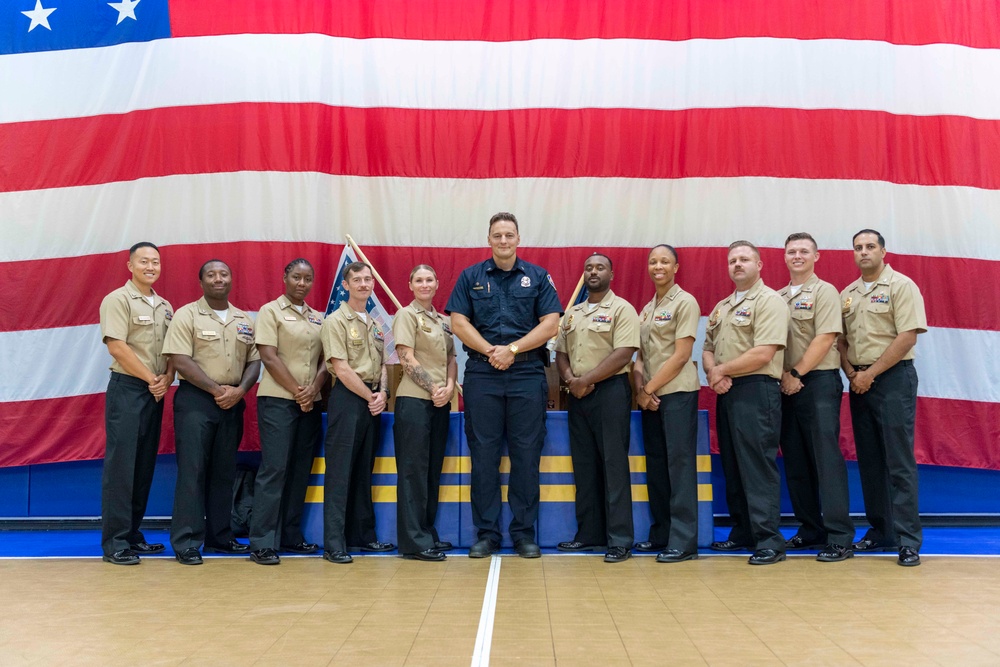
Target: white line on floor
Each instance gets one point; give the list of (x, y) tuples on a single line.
[(484, 638)]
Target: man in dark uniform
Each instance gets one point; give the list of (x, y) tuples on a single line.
[(211, 344), (504, 311), (883, 313), (743, 357), (134, 321), (596, 342), (810, 408)]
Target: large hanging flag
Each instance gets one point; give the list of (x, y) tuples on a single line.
[(378, 313), (258, 130)]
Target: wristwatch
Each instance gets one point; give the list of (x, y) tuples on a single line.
[(795, 374), (513, 348)]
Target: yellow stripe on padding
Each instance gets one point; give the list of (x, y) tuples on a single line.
[(704, 463), (386, 465), (459, 493)]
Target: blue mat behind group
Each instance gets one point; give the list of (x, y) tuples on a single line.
[(556, 516)]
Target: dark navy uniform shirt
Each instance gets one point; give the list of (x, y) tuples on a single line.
[(503, 306)]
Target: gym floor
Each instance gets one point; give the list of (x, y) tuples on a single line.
[(63, 605)]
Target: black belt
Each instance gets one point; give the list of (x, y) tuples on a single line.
[(864, 367), (747, 379), (530, 355)]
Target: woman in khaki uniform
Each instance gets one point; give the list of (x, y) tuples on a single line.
[(288, 341), (427, 354), (666, 384)]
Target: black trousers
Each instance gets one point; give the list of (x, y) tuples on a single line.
[(883, 421), (814, 466), (748, 418), (351, 435), (132, 420), (420, 431), (598, 444), (510, 403), (670, 436), (287, 441), (207, 439)]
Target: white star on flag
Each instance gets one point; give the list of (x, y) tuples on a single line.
[(125, 9), (39, 16)]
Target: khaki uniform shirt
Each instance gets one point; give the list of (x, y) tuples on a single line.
[(346, 336), (589, 336), (296, 337), (221, 350), (814, 312), (128, 317), (759, 318), (873, 318), (661, 323), (429, 335)]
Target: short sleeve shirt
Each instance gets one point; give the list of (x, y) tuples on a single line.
[(221, 349), (428, 334), (128, 317), (814, 311), (503, 306), (587, 337), (873, 318), (358, 342), (736, 326), (296, 337), (661, 324)]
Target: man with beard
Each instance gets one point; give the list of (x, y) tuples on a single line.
[(596, 342)]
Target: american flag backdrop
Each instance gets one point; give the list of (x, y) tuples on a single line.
[(258, 131)]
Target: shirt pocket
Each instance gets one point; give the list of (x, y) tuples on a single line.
[(207, 345), (484, 309), (522, 304), (141, 329)]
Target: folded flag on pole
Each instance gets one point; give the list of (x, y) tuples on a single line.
[(382, 319)]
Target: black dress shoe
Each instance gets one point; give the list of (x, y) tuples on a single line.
[(443, 546), (429, 555), (576, 546), (868, 544), (300, 548), (675, 556), (338, 557), (526, 548), (797, 543), (617, 555), (123, 557), (189, 557), (833, 553), (483, 548), (766, 557), (265, 557), (233, 547), (908, 557), (727, 545), (649, 547), (378, 547), (146, 548)]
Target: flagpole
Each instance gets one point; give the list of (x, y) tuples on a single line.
[(381, 282)]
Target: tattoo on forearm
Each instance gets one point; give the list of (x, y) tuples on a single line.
[(417, 373)]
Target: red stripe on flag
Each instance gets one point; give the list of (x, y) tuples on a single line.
[(72, 429), (971, 22), (258, 265), (521, 143), (948, 432)]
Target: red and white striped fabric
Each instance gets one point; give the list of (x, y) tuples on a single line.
[(259, 131)]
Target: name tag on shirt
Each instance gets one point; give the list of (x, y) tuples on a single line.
[(290, 318), (209, 333), (144, 318)]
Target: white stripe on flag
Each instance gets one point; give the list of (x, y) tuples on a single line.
[(933, 79)]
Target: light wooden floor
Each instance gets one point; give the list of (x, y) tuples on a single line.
[(566, 610)]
